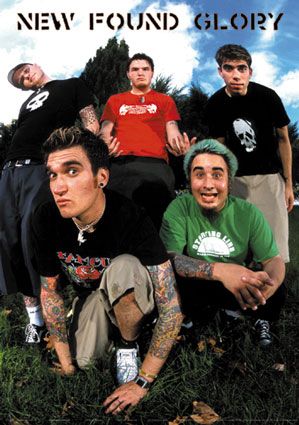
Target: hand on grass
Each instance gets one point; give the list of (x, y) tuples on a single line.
[(124, 396)]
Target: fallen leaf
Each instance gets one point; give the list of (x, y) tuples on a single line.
[(212, 342), (178, 420), (68, 405), (240, 367), (22, 382), (201, 345), (279, 367), (50, 341), (15, 421), (218, 351), (203, 414)]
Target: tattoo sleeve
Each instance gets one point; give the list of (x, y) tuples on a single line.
[(53, 308), (193, 268), (89, 118), (170, 316)]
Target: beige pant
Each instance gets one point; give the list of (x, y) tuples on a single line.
[(91, 330), (267, 193)]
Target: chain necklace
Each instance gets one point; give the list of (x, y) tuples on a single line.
[(89, 227)]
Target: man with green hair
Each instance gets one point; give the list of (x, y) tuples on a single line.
[(209, 234)]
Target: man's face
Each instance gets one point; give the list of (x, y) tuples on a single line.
[(140, 74), (236, 75), (29, 76), (209, 181), (73, 185)]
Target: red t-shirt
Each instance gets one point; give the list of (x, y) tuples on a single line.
[(140, 122)]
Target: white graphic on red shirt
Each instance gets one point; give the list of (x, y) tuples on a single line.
[(37, 101), (137, 109), (245, 133), (213, 243)]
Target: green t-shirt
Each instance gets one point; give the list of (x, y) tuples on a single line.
[(239, 228)]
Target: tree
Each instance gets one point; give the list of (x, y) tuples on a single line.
[(294, 139), (192, 112), (6, 134), (105, 73)]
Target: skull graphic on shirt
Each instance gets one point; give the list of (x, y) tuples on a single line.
[(245, 133)]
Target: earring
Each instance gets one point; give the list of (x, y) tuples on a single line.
[(101, 185)]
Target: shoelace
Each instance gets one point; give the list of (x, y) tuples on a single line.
[(264, 328), (31, 332)]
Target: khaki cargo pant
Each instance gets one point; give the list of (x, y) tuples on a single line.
[(267, 193), (91, 330)]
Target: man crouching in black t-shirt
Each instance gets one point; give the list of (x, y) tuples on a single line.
[(110, 251)]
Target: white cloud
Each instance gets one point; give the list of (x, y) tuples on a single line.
[(264, 68), (61, 53), (269, 34), (267, 72), (174, 51), (288, 88)]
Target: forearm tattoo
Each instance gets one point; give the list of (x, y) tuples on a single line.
[(170, 316), (53, 308), (88, 116), (191, 267)]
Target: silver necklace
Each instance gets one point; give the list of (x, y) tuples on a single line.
[(89, 227)]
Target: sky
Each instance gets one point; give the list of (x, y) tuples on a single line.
[(183, 46)]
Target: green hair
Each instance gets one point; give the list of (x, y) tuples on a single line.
[(214, 147)]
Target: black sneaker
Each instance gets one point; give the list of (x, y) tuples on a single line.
[(263, 334), (34, 334)]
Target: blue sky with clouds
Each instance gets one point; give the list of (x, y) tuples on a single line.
[(186, 52)]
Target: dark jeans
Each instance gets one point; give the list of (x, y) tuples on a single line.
[(199, 295), (19, 187), (149, 182)]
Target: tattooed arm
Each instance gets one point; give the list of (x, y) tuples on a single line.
[(169, 320), (54, 315), (245, 284), (89, 119), (191, 267), (165, 332)]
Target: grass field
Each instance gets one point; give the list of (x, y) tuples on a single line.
[(234, 377)]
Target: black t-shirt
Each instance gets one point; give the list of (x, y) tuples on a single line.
[(124, 229), (55, 105), (248, 124)]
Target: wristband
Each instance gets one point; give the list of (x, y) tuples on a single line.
[(147, 375), (143, 383)]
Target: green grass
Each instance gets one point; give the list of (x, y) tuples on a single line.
[(240, 385)]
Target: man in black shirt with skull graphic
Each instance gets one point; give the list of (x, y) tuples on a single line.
[(53, 103), (251, 120)]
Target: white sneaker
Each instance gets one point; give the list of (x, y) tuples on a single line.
[(34, 334), (127, 364)]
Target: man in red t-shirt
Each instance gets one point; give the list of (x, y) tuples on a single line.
[(140, 127)]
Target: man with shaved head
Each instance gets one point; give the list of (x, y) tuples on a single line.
[(52, 104)]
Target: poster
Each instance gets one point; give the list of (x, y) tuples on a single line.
[(181, 36)]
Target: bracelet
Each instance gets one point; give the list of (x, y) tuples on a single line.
[(147, 375)]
